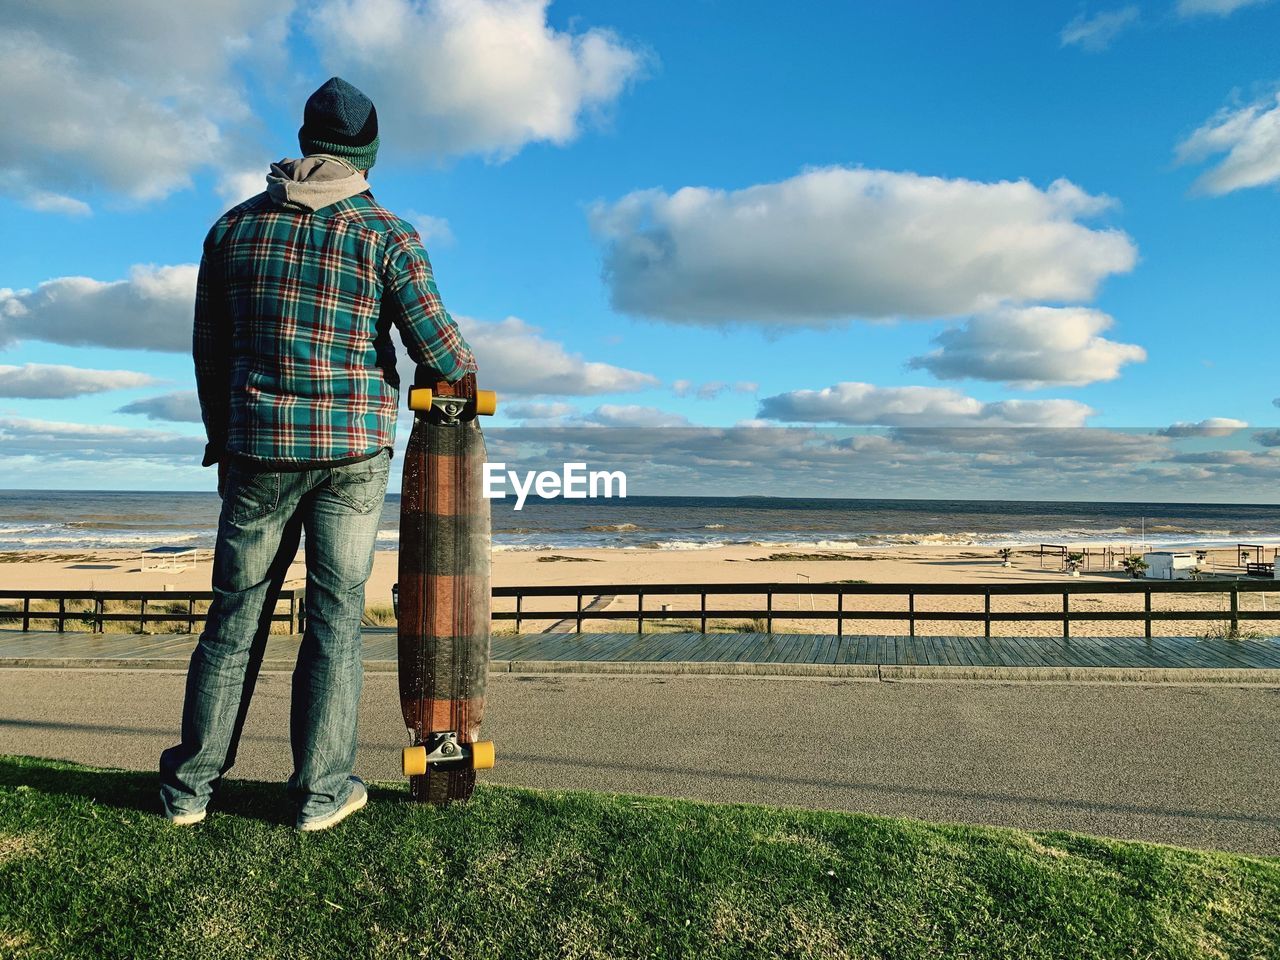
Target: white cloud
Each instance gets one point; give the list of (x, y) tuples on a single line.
[(152, 310), (839, 243), (180, 407), (1220, 8), (537, 411), (238, 186), (1210, 427), (1030, 347), (129, 98), (1097, 32), (867, 404), (633, 416), (711, 389), (58, 440), (1250, 138), (1000, 445), (976, 461), (471, 76), (42, 381), (46, 201), (432, 230), (514, 358)]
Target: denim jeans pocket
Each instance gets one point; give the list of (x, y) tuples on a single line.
[(253, 493), (363, 485)]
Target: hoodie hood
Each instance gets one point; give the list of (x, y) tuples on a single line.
[(313, 182)]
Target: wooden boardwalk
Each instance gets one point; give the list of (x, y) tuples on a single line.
[(108, 649)]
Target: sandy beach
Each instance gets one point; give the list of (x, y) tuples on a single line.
[(125, 570)]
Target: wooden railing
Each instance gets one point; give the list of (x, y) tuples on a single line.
[(1231, 590), (97, 615)]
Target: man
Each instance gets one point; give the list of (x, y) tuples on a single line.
[(295, 369)]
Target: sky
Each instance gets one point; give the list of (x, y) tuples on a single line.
[(1004, 248)]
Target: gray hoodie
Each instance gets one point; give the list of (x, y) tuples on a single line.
[(313, 182)]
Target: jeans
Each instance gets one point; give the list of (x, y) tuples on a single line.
[(264, 513)]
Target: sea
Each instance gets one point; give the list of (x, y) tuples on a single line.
[(39, 520)]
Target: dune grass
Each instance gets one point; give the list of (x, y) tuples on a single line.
[(11, 616), (87, 870)]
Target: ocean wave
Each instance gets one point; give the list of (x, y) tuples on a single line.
[(104, 541), (612, 528), (928, 539), (8, 529), (680, 545)]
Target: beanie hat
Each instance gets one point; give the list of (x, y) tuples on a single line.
[(341, 121)]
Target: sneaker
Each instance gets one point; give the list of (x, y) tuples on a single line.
[(182, 819), (356, 799)]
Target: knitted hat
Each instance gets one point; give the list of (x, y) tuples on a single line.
[(341, 121)]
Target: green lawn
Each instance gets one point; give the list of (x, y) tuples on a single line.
[(88, 870)]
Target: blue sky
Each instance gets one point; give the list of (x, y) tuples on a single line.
[(1079, 200)]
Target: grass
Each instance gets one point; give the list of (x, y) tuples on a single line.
[(717, 626), (1224, 631), (379, 616), (86, 870), (11, 614)]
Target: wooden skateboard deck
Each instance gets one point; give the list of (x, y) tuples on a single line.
[(443, 592)]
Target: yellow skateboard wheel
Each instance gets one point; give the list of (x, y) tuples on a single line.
[(419, 398), (482, 755), (486, 403), (414, 761)]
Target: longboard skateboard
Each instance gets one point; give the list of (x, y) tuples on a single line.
[(443, 592)]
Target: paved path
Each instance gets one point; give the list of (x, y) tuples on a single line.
[(1192, 765), (1161, 658)]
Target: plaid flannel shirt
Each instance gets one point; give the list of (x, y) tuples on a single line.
[(294, 360)]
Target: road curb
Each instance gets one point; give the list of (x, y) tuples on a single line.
[(909, 672), (865, 671), (845, 671)]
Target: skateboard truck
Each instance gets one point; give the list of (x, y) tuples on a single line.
[(443, 747), (450, 409)]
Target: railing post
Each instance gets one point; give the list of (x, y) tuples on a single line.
[(519, 607), (26, 613), (702, 610), (1235, 609), (986, 613), (639, 613), (1066, 616), (768, 610), (99, 609), (142, 615), (62, 614), (839, 614), (191, 614), (911, 613), (1147, 599), (579, 616)]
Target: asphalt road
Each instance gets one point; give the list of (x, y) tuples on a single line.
[(1197, 766)]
